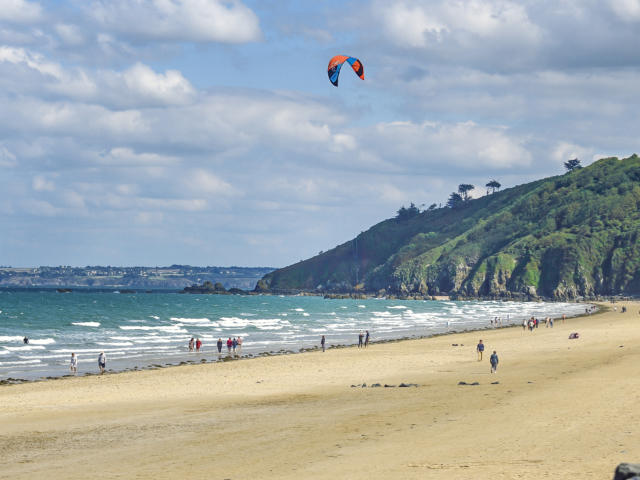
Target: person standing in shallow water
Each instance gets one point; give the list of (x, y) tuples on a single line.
[(74, 364), (219, 345), (480, 350), (360, 337), (102, 362), (239, 346), (191, 345), (366, 339), (494, 362), (322, 341), (198, 345)]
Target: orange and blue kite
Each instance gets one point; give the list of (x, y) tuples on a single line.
[(335, 64)]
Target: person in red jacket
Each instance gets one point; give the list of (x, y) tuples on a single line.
[(198, 345), (229, 345)]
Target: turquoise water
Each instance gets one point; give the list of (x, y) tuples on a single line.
[(139, 330)]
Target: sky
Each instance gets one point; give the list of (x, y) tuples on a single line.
[(206, 132)]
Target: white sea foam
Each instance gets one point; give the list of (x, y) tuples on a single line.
[(42, 341), (86, 324), (116, 344), (233, 322), (25, 348), (398, 307), (362, 306), (298, 309), (10, 339), (155, 317), (20, 362), (194, 321), (168, 328), (305, 314)]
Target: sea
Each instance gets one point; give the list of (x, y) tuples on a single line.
[(150, 330)]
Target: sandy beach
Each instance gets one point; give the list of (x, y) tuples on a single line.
[(562, 409)]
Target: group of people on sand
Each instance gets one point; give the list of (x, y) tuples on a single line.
[(534, 323), (493, 359), (234, 346), (363, 339), (102, 363)]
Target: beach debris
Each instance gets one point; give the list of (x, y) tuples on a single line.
[(375, 385), (364, 385), (495, 383), (529, 382), (470, 384), (404, 385), (574, 335), (389, 386), (627, 471), (462, 383), (475, 383)]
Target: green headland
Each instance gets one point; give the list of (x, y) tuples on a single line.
[(563, 237)]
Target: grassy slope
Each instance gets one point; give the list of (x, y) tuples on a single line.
[(560, 237)]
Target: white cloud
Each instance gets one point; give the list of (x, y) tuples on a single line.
[(20, 11), (424, 146), (428, 23), (41, 184), (123, 156), (71, 35), (7, 159), (138, 85), (170, 88), (627, 10), (202, 181), (226, 21), (564, 151)]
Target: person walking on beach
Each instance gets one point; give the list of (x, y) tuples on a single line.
[(239, 346), (102, 362), (73, 366), (366, 339), (564, 317), (234, 344), (480, 349), (322, 341), (229, 344), (524, 324), (219, 345), (494, 362), (198, 345), (191, 345), (360, 337)]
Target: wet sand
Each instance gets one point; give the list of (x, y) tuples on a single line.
[(562, 409)]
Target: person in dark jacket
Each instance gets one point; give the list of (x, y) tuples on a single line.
[(494, 362)]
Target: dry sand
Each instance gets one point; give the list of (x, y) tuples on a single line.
[(563, 409)]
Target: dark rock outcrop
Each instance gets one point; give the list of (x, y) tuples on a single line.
[(627, 471)]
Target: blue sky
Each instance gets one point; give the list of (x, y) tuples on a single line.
[(206, 132)]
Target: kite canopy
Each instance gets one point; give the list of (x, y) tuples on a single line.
[(335, 64)]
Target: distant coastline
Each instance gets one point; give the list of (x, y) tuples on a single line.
[(173, 277)]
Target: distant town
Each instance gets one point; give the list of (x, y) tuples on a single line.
[(160, 278)]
